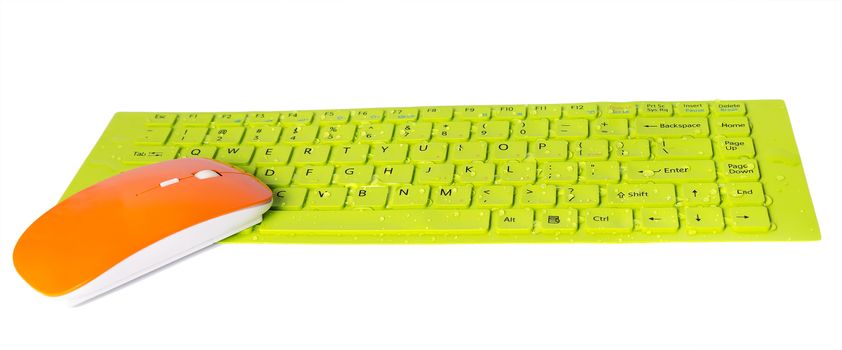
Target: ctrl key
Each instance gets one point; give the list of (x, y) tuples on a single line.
[(513, 221), (607, 220)]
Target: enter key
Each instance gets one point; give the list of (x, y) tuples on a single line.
[(670, 171)]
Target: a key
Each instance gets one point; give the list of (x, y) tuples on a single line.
[(738, 170), (591, 149), (188, 136), (229, 119), (389, 153), (692, 109), (434, 174), (299, 134), (354, 175), (457, 196), (544, 111), (377, 222), (148, 154), (238, 155), (327, 198), (409, 196), (671, 127), (602, 172), (556, 221), (607, 220), (434, 152), (670, 171), (332, 117), (287, 198), (537, 196), (558, 173), (371, 197), (394, 174), (682, 149), (512, 221), (436, 114), (349, 154), (296, 118), (703, 219), (581, 110), (337, 134), (506, 151), (698, 194), (262, 119), (531, 129), (495, 130), (375, 133), (467, 152), (161, 119), (309, 155), (578, 196), (658, 220), (198, 152), (730, 126), (451, 131), (275, 176), (569, 129), (194, 119), (413, 132), (548, 150), (610, 128), (734, 147), (743, 194), (728, 109), (475, 173), (275, 155), (472, 113), (631, 149), (516, 173), (400, 115), (313, 175), (262, 135), (153, 136), (749, 219), (638, 195), (655, 109), (494, 196), (508, 112), (620, 110), (367, 116)]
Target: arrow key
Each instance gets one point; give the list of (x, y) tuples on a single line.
[(703, 220), (692, 194), (658, 220), (749, 219)]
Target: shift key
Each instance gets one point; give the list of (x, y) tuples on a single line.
[(670, 171)]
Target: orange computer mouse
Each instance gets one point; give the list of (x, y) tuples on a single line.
[(135, 222)]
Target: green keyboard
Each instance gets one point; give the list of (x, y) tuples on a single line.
[(578, 172)]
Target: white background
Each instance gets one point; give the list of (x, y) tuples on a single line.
[(66, 67)]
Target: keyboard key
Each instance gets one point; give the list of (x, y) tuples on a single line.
[(148, 154), (310, 155), (703, 219), (237, 155), (409, 196), (495, 196), (262, 119), (354, 175), (276, 176), (639, 195), (400, 115), (730, 126), (194, 119), (655, 109), (556, 221), (229, 119), (691, 109), (581, 110), (558, 173), (513, 221), (451, 131), (749, 219), (394, 174), (728, 109), (377, 222), (670, 127), (591, 149), (337, 134), (436, 114), (327, 198), (198, 152), (376, 133), (225, 136), (516, 173), (434, 174), (332, 117), (188, 136), (607, 220), (373, 197), (296, 118), (367, 115), (743, 194), (467, 152), (532, 129), (262, 135), (698, 194), (434, 152), (299, 134), (658, 220), (569, 129), (495, 130), (675, 171), (735, 147), (413, 132), (161, 119), (544, 111), (620, 110), (475, 173), (275, 155), (313, 175), (505, 151), (537, 196), (289, 198), (457, 196), (349, 154), (389, 153), (738, 170), (508, 112), (578, 196), (600, 172), (610, 128), (548, 150), (153, 136), (631, 149), (472, 113), (682, 149)]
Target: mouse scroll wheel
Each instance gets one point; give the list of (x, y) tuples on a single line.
[(206, 174)]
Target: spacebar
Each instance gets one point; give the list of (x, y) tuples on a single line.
[(377, 222)]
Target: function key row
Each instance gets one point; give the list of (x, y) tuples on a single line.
[(468, 113)]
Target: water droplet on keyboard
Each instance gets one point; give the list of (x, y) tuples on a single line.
[(382, 218), (648, 173), (780, 178)]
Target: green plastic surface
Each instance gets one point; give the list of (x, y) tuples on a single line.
[(133, 138)]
